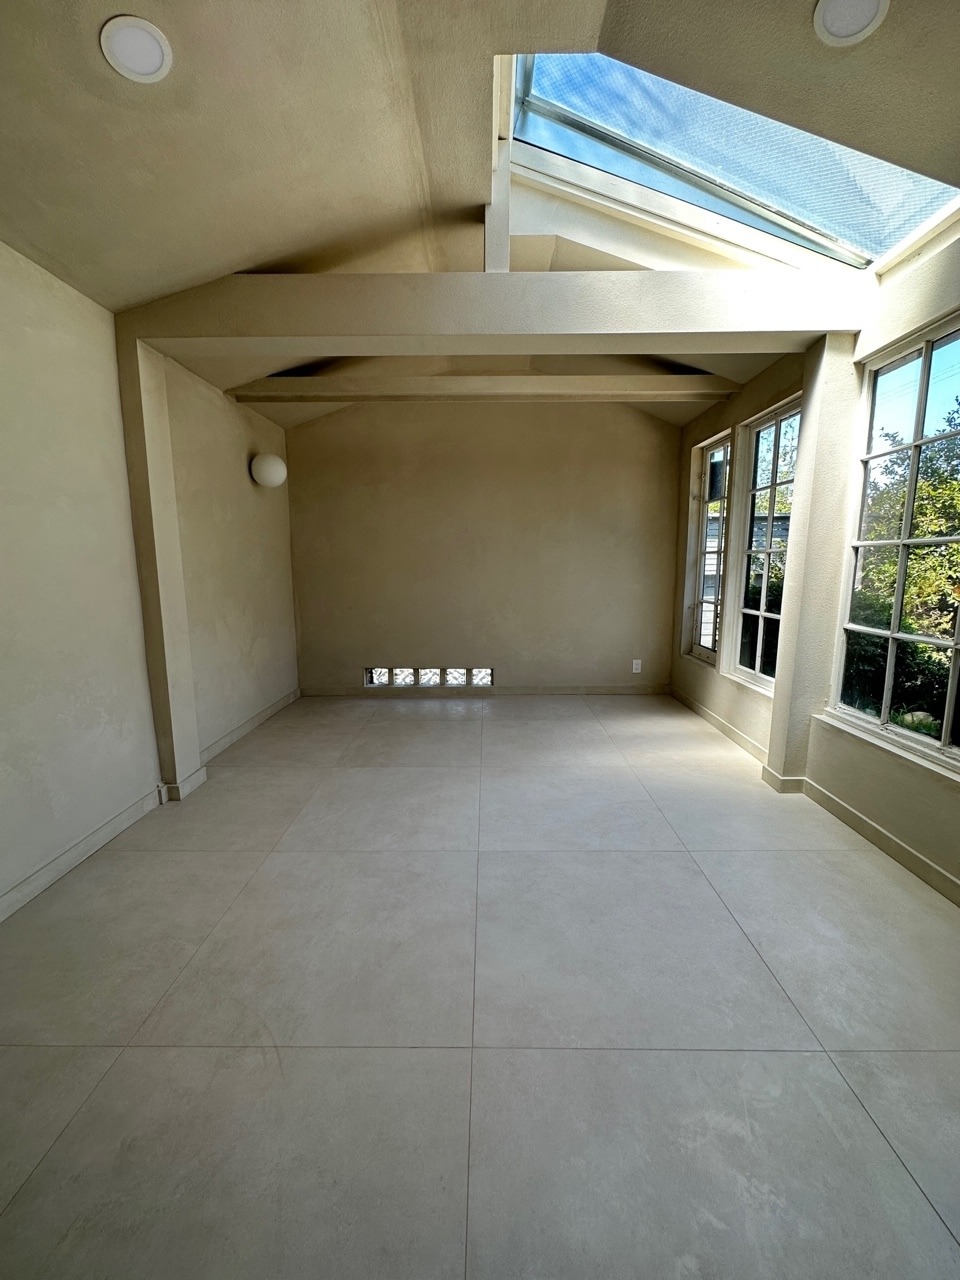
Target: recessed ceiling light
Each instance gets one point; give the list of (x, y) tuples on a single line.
[(136, 48), (840, 22)]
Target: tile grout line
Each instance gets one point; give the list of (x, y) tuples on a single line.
[(473, 1011), (823, 1049), (756, 949), (83, 1102), (683, 847), (827, 1052), (494, 1048), (121, 1049), (233, 900), (720, 899), (223, 913), (867, 1112), (180, 972)]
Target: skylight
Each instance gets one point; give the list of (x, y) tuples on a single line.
[(762, 173)]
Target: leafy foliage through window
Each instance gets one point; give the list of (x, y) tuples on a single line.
[(902, 653)]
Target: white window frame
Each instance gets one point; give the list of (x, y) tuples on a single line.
[(738, 545), (889, 734), (699, 472)]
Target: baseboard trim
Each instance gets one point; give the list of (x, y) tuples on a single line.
[(20, 894), (228, 739), (180, 790), (469, 691), (784, 784), (921, 867), (741, 739)]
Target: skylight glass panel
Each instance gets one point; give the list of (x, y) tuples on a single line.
[(760, 172)]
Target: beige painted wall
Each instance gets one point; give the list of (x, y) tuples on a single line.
[(742, 710), (77, 746), (538, 539), (908, 808), (235, 547)]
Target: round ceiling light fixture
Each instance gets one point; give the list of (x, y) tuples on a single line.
[(136, 48), (843, 22)]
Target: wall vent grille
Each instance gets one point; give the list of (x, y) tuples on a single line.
[(427, 677)]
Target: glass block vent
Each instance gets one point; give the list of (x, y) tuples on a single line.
[(426, 677)]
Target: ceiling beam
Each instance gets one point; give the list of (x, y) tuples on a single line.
[(638, 388), (309, 317)]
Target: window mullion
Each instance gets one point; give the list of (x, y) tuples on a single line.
[(721, 543), (888, 680), (951, 696)]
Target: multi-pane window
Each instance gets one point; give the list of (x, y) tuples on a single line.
[(714, 489), (411, 677), (902, 650), (773, 463)]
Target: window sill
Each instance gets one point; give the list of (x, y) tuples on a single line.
[(946, 763), (759, 684), (702, 655)]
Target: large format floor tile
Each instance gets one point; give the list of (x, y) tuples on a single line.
[(229, 1164), (639, 710), (728, 1165), (479, 931), (536, 707), (347, 949), (307, 742), (406, 741), (713, 808), (915, 1100), (86, 961), (386, 710), (40, 1090), (509, 742), (559, 808), (326, 710), (390, 808), (236, 808), (868, 952), (579, 950)]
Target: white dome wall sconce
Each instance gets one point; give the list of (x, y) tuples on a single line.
[(268, 470), (843, 22), (136, 48)]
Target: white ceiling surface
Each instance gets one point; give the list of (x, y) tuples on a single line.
[(313, 135)]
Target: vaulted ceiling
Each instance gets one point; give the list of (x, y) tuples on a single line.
[(312, 135)]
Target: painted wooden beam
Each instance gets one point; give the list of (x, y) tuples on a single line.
[(306, 317), (640, 388)]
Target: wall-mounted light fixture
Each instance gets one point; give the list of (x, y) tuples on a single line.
[(843, 22), (268, 470), (136, 48)]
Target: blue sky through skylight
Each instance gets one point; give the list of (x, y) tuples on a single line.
[(853, 199)]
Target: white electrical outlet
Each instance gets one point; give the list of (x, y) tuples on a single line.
[(636, 666)]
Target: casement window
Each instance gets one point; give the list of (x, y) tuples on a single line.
[(713, 474), (901, 659), (773, 460)]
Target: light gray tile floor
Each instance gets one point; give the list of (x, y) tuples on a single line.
[(516, 987)]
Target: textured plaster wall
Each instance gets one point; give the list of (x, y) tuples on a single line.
[(235, 546), (746, 710), (537, 539), (76, 731)]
